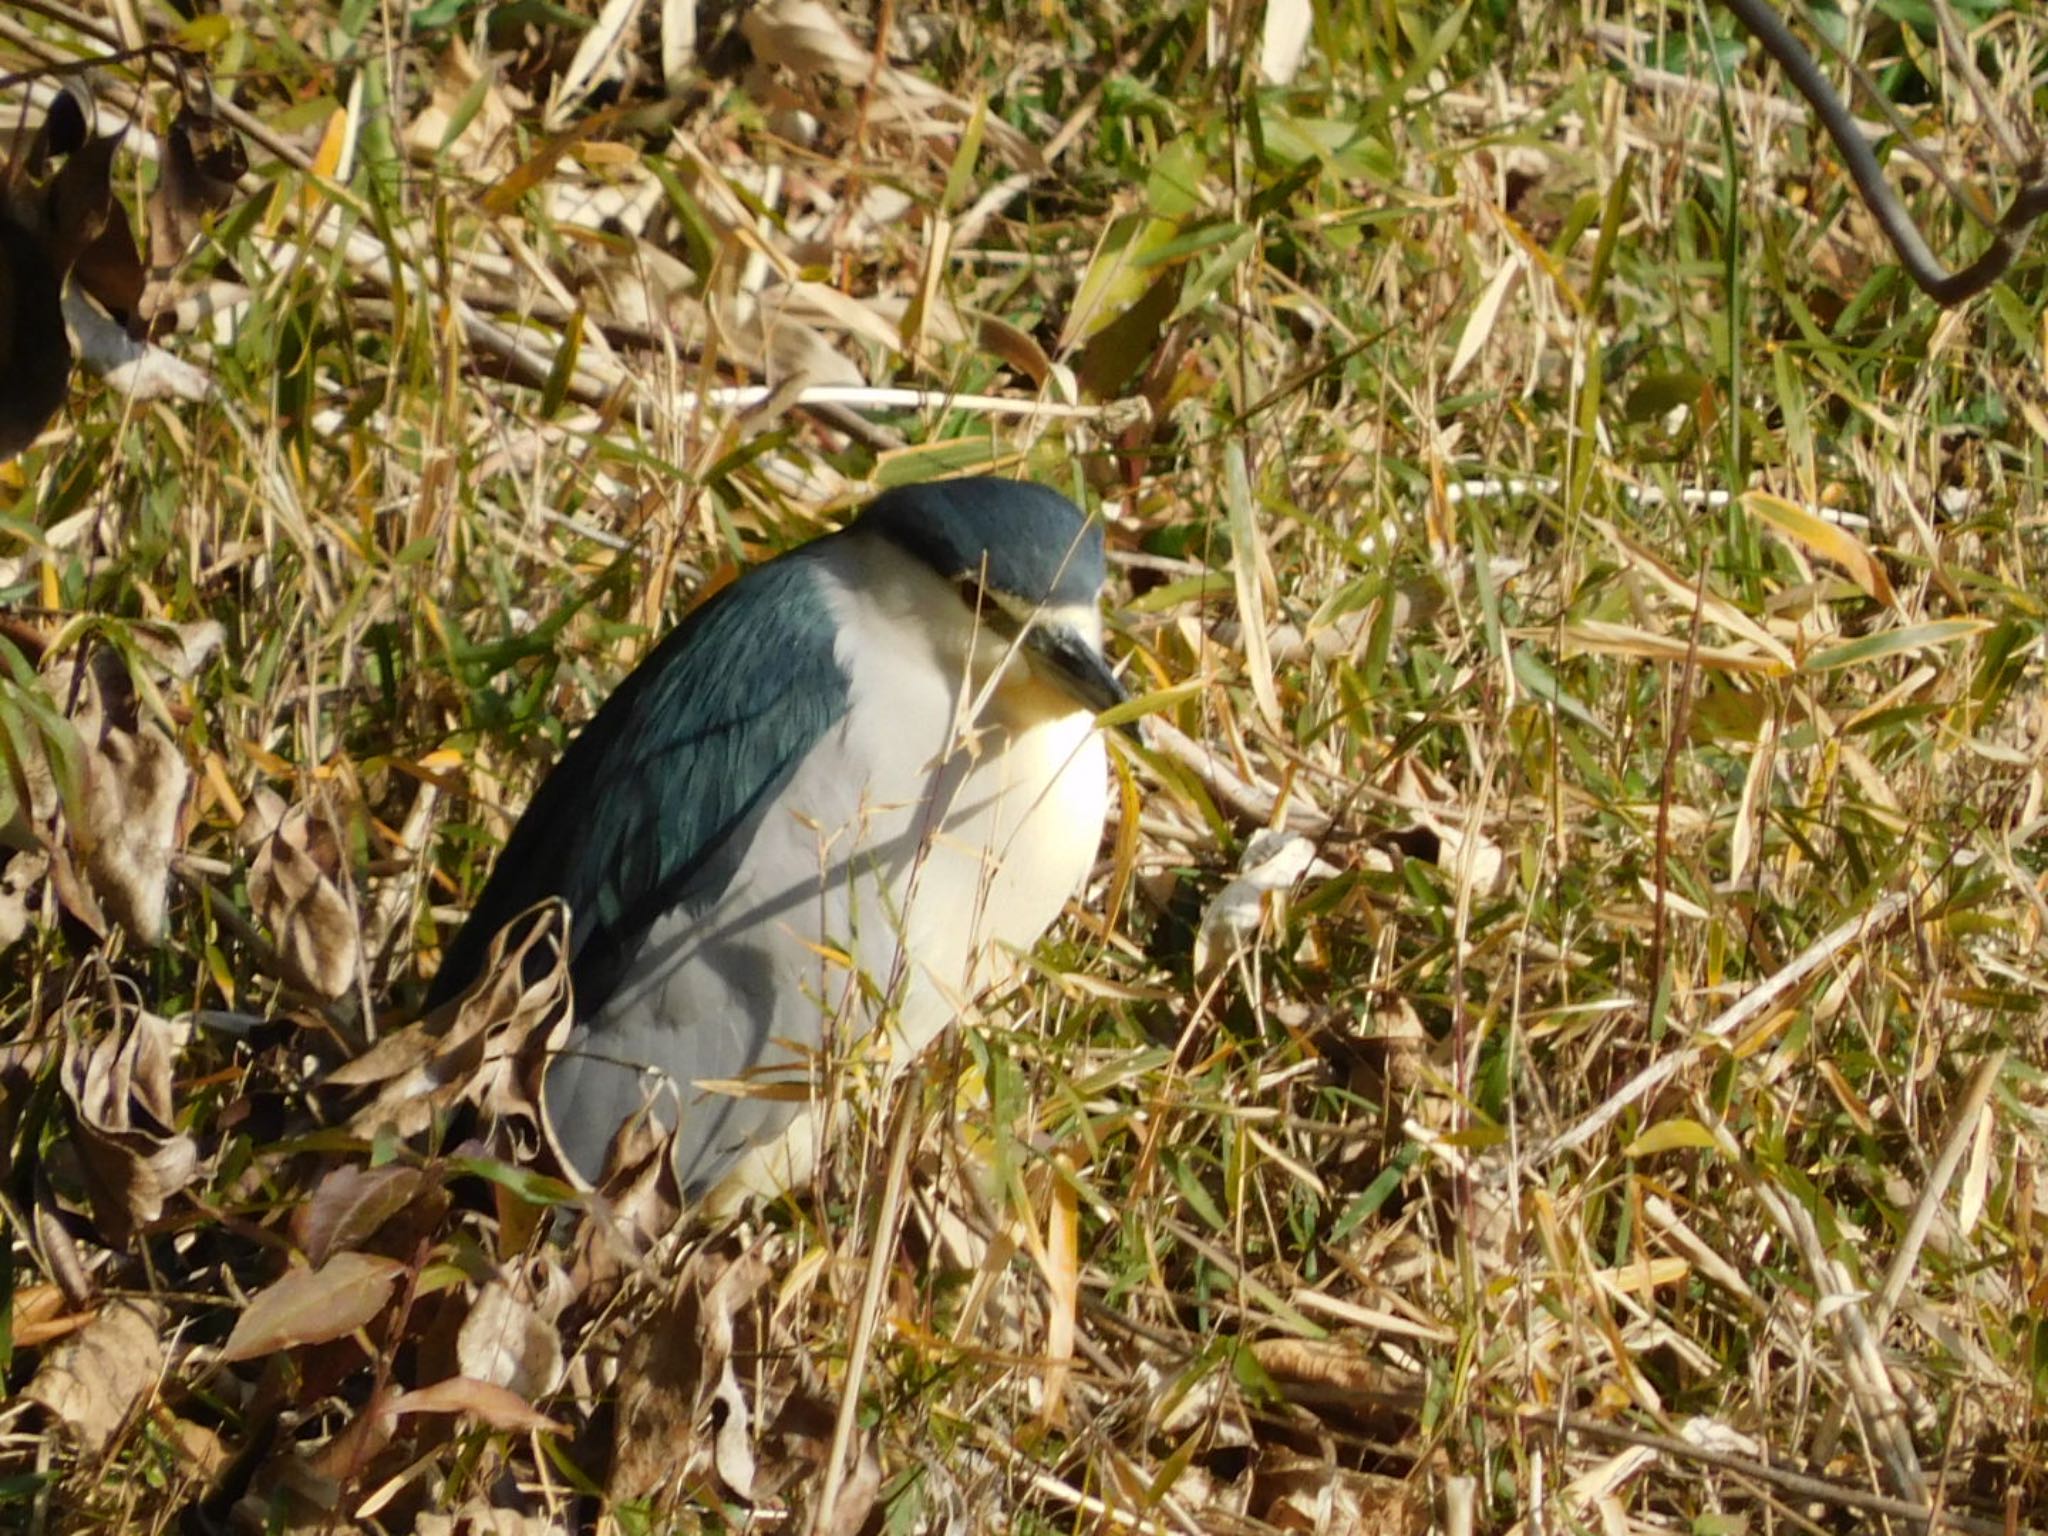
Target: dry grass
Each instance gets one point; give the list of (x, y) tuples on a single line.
[(1638, 1122)]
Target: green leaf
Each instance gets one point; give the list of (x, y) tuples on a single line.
[(1658, 394), (1893, 642), (1199, 1199), (960, 174), (936, 461), (1173, 187), (534, 1188), (1544, 686)]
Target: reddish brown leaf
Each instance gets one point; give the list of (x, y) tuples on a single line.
[(350, 1205), (499, 1407), (311, 1306)]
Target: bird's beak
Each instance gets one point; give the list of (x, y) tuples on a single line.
[(1076, 665)]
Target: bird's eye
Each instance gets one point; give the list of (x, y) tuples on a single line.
[(970, 592)]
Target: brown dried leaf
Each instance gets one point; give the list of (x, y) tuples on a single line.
[(74, 894), (672, 1371), (641, 1201), (349, 1206), (1329, 1365), (503, 1341), (295, 886), (494, 1405), (94, 1381), (1009, 344), (40, 1316), (487, 1046), (19, 877), (200, 159), (1293, 1492), (134, 799), (311, 1306), (204, 1453), (132, 1156), (345, 1458), (135, 785)]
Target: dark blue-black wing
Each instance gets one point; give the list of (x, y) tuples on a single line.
[(677, 761)]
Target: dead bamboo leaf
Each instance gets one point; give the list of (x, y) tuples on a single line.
[(1249, 569), (596, 57), (1062, 1263), (469, 120), (810, 41), (1603, 638), (1683, 591), (1283, 39), (1485, 316), (1829, 540), (295, 886), (311, 1306), (94, 1381), (1977, 1172)]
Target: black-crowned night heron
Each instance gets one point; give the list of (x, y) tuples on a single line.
[(837, 795)]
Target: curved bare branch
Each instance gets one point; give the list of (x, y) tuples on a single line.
[(2009, 235)]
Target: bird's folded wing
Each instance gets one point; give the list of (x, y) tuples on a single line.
[(634, 819)]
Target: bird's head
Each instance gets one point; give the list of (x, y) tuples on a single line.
[(1023, 561)]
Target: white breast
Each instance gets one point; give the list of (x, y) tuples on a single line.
[(957, 846)]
